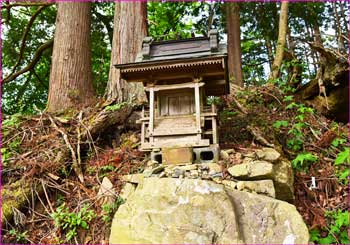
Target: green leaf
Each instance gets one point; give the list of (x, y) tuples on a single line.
[(84, 225), (314, 235), (288, 98), (292, 105), (344, 174), (279, 124), (327, 240), (343, 157), (307, 157), (337, 141)]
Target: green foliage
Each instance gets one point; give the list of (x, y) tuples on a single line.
[(30, 89), (19, 236), (7, 152), (279, 124), (288, 98), (303, 161), (342, 163), (109, 210), (338, 141), (226, 115), (71, 221), (296, 141), (115, 107), (292, 105), (343, 157), (337, 232)]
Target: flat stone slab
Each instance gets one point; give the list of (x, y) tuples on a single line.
[(252, 170)]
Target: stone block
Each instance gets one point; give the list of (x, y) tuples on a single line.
[(177, 156), (255, 170), (268, 154), (264, 187), (133, 178), (207, 154), (191, 211)]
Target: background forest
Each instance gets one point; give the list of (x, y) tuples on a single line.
[(289, 72)]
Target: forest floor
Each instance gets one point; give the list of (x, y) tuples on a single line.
[(48, 152)]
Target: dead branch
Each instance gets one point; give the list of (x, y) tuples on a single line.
[(47, 197), (32, 64), (75, 164), (255, 132)]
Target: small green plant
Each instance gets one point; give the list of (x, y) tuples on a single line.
[(288, 98), (337, 231), (7, 152), (303, 161), (297, 137), (343, 157), (115, 107), (342, 165), (296, 140), (19, 236), (71, 221), (338, 141), (109, 209), (279, 124)]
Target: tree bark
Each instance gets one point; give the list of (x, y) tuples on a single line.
[(282, 32), (340, 38), (71, 72), (234, 44), (269, 50), (130, 27)]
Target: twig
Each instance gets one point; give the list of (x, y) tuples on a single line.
[(259, 137), (239, 106), (75, 164), (42, 203), (47, 197), (80, 116), (314, 133), (272, 96)]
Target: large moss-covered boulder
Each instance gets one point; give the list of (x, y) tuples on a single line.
[(165, 210)]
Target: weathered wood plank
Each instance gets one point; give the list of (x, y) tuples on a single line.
[(151, 114), (148, 146), (173, 86)]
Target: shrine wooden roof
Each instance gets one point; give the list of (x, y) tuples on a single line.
[(175, 59)]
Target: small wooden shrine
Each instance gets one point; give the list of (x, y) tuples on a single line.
[(178, 77)]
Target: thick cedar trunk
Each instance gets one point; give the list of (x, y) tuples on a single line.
[(130, 27), (234, 44), (71, 75), (282, 32)]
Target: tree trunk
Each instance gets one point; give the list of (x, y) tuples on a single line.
[(234, 44), (71, 72), (282, 32), (269, 50), (338, 29), (295, 70), (130, 27)]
